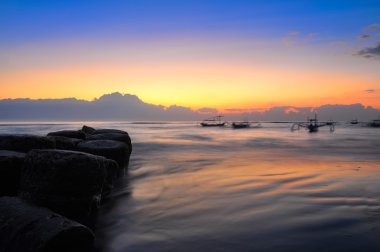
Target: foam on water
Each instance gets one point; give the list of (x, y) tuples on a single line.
[(199, 189)]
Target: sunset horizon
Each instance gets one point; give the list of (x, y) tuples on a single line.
[(190, 125), (227, 56)]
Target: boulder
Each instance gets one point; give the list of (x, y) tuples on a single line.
[(65, 143), (116, 137), (68, 182), (113, 136), (25, 143), (69, 133), (110, 149), (103, 131), (113, 172), (88, 130), (11, 163), (28, 228)]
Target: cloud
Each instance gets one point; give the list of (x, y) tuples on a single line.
[(208, 111), (291, 110), (373, 27), (129, 107), (370, 91), (364, 36), (370, 52), (113, 106), (237, 110)]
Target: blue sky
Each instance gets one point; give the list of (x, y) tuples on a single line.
[(214, 53), (33, 21)]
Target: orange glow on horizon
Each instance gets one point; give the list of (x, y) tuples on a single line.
[(193, 85)]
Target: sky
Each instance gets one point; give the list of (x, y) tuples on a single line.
[(224, 54)]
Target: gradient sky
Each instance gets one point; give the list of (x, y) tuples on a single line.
[(199, 53)]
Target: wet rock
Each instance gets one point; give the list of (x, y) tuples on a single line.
[(28, 228), (110, 149), (88, 130), (113, 172), (25, 143), (11, 163), (103, 131), (65, 143), (112, 136), (68, 182), (116, 137), (69, 133)]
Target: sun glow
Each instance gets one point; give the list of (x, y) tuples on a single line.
[(235, 74)]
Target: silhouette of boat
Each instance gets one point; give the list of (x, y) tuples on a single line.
[(375, 123), (240, 125), (313, 125), (354, 121), (330, 122), (215, 121), (245, 124)]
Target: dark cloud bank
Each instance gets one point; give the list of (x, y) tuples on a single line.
[(371, 52), (129, 107)]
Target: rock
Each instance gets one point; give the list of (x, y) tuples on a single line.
[(110, 149), (11, 163), (69, 133), (113, 172), (103, 131), (25, 143), (65, 143), (92, 131), (116, 137), (88, 130), (28, 228), (113, 136), (68, 182)]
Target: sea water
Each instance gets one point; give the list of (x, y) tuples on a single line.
[(191, 188)]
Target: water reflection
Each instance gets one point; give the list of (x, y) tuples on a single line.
[(267, 189), (263, 190)]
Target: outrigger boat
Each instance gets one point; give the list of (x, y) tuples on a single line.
[(241, 125), (354, 121), (215, 121), (245, 124), (312, 125), (375, 123)]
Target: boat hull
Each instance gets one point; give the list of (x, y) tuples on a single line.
[(213, 124), (240, 126)]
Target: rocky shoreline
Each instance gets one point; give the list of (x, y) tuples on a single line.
[(51, 186)]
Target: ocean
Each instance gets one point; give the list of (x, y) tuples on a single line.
[(191, 188)]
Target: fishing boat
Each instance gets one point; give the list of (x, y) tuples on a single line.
[(312, 125), (215, 121), (240, 125), (354, 121), (375, 123), (330, 122)]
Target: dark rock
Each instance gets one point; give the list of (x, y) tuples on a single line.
[(25, 143), (88, 130), (68, 182), (65, 143), (11, 163), (28, 228), (113, 172), (103, 131), (69, 133), (110, 149), (113, 136)]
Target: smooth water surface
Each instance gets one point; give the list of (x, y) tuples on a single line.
[(218, 189)]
